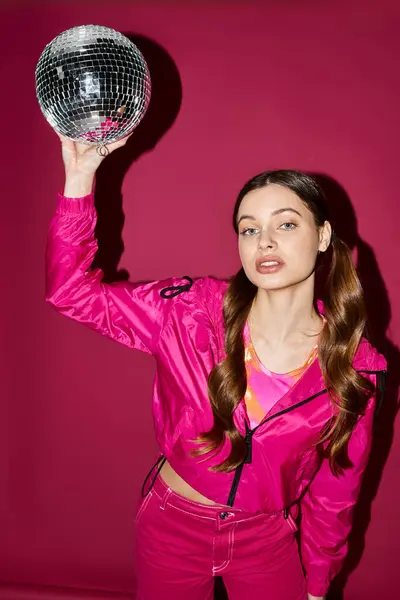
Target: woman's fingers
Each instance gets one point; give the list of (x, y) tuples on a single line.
[(86, 156), (119, 143)]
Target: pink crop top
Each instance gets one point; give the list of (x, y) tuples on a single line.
[(265, 388)]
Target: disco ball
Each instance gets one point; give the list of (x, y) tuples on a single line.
[(92, 84)]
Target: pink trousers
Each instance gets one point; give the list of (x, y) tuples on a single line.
[(181, 545)]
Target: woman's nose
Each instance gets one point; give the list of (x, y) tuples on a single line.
[(266, 241)]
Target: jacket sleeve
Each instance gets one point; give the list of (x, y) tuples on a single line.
[(327, 510), (131, 314)]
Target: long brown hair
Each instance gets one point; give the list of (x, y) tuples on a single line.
[(345, 317)]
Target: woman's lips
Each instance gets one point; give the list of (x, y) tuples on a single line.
[(269, 264)]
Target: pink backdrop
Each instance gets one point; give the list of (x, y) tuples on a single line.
[(238, 88)]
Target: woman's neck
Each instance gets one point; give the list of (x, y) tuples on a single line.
[(284, 316)]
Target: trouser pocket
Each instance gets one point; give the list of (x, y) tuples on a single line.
[(142, 506)]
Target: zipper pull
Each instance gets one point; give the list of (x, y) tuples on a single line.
[(249, 444)]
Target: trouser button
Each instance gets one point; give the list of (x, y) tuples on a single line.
[(224, 515)]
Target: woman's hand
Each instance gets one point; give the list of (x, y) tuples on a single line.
[(311, 597), (81, 162), (84, 159)]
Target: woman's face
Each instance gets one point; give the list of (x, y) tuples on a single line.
[(278, 238)]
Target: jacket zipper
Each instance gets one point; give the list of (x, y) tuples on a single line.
[(381, 382), (249, 443)]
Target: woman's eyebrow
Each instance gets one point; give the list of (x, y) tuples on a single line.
[(288, 209), (275, 212)]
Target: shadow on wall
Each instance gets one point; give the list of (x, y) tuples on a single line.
[(163, 109)]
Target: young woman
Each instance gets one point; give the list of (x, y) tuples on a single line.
[(264, 398)]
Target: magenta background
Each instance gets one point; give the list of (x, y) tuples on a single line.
[(310, 85)]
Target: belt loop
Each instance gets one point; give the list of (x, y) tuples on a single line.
[(165, 499)]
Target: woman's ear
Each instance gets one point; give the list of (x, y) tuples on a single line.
[(325, 234)]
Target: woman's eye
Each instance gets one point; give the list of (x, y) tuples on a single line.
[(249, 231), (288, 226)]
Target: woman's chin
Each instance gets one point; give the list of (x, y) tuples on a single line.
[(270, 282)]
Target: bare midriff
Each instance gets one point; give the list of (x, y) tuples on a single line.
[(179, 485)]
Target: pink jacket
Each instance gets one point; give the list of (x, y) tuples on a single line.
[(179, 322)]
